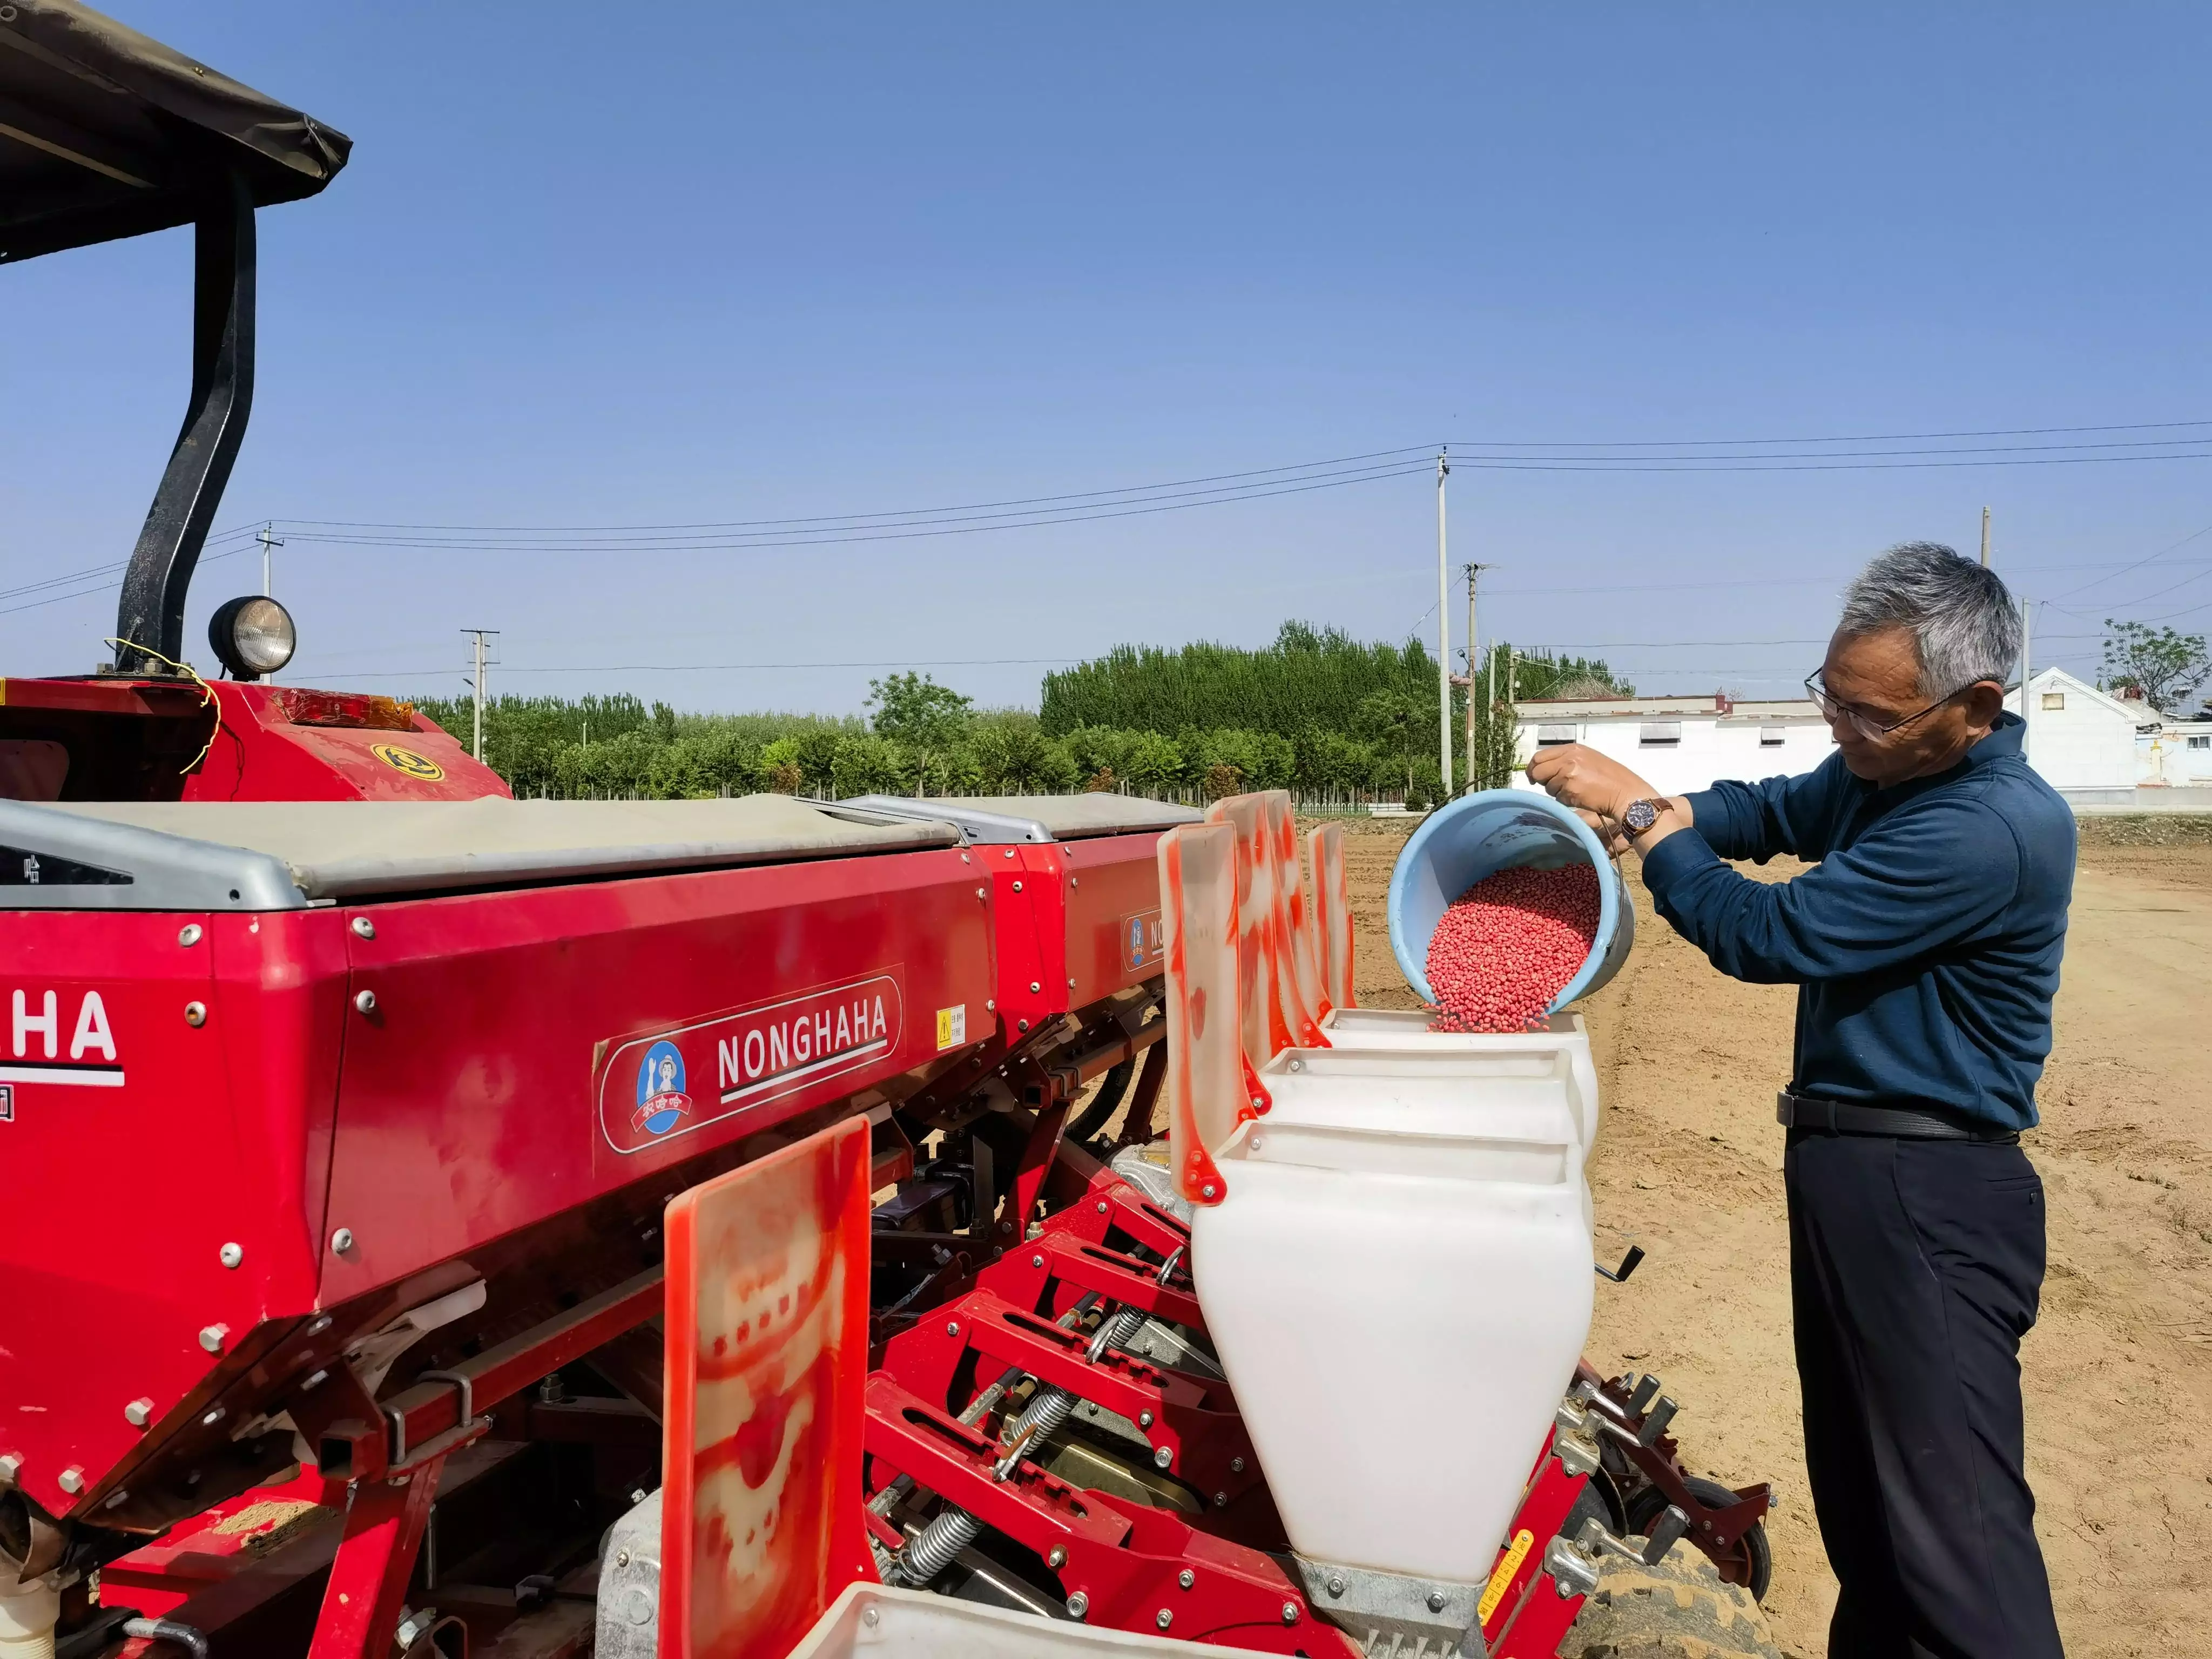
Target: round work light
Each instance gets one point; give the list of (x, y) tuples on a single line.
[(254, 636)]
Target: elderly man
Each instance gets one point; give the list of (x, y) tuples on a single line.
[(1924, 945)]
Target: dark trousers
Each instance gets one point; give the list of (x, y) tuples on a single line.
[(1914, 1266)]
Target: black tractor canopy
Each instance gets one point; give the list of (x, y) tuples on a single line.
[(105, 133)]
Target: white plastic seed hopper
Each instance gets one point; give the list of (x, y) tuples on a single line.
[(1372, 1228)]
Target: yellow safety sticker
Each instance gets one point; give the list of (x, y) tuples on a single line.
[(1508, 1564), (951, 1026), (407, 761)]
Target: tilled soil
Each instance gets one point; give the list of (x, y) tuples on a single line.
[(2119, 1372)]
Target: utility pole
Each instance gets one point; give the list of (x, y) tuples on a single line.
[(1472, 570), (477, 685), (1443, 632), (268, 540), (1985, 538)]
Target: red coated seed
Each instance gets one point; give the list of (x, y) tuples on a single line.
[(1508, 945)]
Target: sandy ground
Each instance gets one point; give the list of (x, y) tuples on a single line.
[(2119, 1369)]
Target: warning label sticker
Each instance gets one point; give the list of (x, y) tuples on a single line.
[(952, 1026)]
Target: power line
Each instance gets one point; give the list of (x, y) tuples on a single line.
[(603, 543), (725, 667), (1753, 463), (2139, 563), (1816, 455), (115, 569), (897, 512), (2161, 592), (1212, 489), (1859, 438), (102, 587), (1783, 581)]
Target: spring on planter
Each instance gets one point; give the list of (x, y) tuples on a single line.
[(933, 1549), (952, 1529), (1042, 1417)]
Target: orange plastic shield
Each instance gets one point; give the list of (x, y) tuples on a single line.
[(1265, 1033), (767, 1362), (1297, 978), (1206, 1055), (1329, 914)]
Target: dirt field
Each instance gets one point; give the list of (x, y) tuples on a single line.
[(2119, 1369)]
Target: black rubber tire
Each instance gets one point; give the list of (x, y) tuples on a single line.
[(1599, 1501), (1752, 1549)]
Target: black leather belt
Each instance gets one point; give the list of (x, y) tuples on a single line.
[(1843, 1117)]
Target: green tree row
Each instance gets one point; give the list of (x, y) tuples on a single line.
[(923, 739), (1309, 678)]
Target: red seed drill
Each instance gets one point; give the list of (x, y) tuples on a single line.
[(1508, 945)]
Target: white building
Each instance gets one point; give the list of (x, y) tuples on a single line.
[(2092, 747), (2175, 754), (2079, 738), (1681, 744)]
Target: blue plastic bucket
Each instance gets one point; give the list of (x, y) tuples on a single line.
[(1479, 834)]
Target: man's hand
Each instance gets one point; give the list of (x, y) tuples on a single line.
[(1601, 789), (1580, 777)]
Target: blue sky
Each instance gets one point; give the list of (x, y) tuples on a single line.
[(719, 264)]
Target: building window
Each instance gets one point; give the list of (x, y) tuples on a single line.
[(2054, 700), (1551, 734), (1770, 736), (1660, 734), (2201, 743)]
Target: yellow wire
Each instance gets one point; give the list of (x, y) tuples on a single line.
[(207, 693)]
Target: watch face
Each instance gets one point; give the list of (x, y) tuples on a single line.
[(1641, 814)]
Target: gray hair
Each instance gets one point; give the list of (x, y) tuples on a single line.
[(1965, 625)]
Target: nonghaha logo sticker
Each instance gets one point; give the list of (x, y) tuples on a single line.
[(653, 1088)]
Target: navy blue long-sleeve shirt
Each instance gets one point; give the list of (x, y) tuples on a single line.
[(1925, 941)]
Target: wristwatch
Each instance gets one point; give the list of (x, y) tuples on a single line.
[(1641, 814)]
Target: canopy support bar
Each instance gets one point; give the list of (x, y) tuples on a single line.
[(151, 616)]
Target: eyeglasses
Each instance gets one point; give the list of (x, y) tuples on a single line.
[(1834, 708)]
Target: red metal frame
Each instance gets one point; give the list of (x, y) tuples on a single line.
[(1192, 1419), (1528, 1617), (1112, 1205), (395, 1463), (1127, 1560), (368, 1579), (218, 1546), (1072, 1268), (1064, 916)]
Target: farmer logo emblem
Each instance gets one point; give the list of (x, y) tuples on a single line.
[(661, 1102), (408, 762), (1144, 938)]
